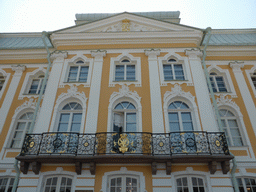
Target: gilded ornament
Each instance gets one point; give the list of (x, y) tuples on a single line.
[(161, 144), (126, 25), (217, 142), (123, 143), (32, 144), (86, 144)]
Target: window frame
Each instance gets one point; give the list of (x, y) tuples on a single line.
[(71, 62), (180, 119), (115, 61), (125, 63), (249, 73), (39, 87), (243, 182), (173, 70), (189, 181), (123, 177), (8, 182), (124, 111), (58, 185), (79, 65), (216, 86), (6, 77), (71, 113), (235, 117), (23, 132)]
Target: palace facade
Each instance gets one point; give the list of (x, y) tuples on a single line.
[(130, 102)]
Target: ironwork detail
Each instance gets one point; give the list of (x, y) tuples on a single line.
[(126, 143)]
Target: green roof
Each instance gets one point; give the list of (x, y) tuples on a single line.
[(232, 39), (10, 42)]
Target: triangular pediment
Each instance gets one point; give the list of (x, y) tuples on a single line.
[(126, 22)]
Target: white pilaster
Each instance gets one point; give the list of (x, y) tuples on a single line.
[(244, 90), (10, 94), (50, 93), (94, 98), (155, 92), (202, 92)]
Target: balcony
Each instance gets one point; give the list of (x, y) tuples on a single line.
[(113, 147)]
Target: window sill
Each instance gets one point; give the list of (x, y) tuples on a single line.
[(75, 82), (126, 81), (174, 80)]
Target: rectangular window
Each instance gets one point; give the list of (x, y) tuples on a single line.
[(6, 184), (1, 82), (173, 72), (78, 74), (125, 73)]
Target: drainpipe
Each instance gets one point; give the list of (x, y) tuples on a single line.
[(31, 128), (233, 178)]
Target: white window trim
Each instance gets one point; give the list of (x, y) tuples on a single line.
[(248, 73), (7, 76), (225, 103), (59, 172), (72, 96), (125, 94), (180, 60), (134, 60), (177, 94), (190, 172), (27, 83), (123, 171), (227, 80), (71, 62)]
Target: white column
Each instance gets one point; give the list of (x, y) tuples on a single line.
[(94, 98), (45, 114), (246, 95), (10, 94), (202, 92), (155, 92)]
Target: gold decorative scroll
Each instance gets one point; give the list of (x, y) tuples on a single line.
[(126, 26)]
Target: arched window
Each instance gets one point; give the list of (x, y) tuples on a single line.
[(190, 184), (246, 184), (57, 183), (125, 71), (2, 80), (180, 118), (36, 85), (6, 184), (124, 117), (123, 183), (231, 128), (173, 70), (78, 72), (253, 77), (218, 82), (70, 118), (22, 128)]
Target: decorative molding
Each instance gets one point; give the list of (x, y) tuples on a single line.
[(194, 53), (71, 62), (224, 100), (18, 69), (31, 103), (116, 60), (72, 92), (58, 56), (98, 54), (212, 166), (27, 83), (236, 66), (125, 94), (6, 76), (59, 170), (180, 60), (177, 91), (127, 25), (152, 53)]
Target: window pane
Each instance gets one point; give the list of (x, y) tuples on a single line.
[(119, 75), (179, 74), (119, 106), (131, 127), (130, 72), (131, 117), (168, 74), (131, 106), (83, 74)]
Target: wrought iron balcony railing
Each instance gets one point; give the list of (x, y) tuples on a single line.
[(167, 144)]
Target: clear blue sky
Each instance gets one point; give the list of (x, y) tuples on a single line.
[(50, 15)]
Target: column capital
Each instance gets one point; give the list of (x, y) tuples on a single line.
[(58, 56), (236, 66), (18, 68), (194, 53), (98, 54), (152, 53)]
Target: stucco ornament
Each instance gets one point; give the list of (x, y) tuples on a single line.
[(125, 92), (72, 92), (177, 91), (224, 100), (31, 103)]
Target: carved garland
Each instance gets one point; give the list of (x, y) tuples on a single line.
[(224, 100)]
